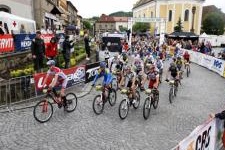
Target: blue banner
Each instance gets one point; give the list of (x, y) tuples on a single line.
[(23, 41)]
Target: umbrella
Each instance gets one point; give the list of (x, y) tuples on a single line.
[(71, 27)]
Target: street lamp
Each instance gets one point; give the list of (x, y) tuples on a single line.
[(193, 18)]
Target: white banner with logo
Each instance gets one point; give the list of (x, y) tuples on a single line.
[(203, 137), (218, 66)]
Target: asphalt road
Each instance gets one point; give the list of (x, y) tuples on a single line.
[(199, 95)]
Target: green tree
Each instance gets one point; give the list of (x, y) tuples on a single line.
[(141, 27), (213, 24), (179, 26), (87, 25)]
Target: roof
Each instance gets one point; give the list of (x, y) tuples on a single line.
[(183, 34), (120, 19), (106, 19), (109, 19), (141, 2), (71, 4)]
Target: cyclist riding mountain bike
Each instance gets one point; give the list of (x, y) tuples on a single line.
[(159, 64), (107, 81), (179, 63), (59, 79), (149, 59), (153, 77), (116, 63), (173, 71), (139, 70), (186, 57), (131, 84)]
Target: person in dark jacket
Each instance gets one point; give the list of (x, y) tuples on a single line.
[(67, 45), (38, 52), (87, 46)]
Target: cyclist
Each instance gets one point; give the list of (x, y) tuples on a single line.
[(186, 57), (173, 71), (153, 77), (159, 66), (179, 63), (117, 62), (139, 70), (107, 76), (131, 84), (59, 79), (149, 59)]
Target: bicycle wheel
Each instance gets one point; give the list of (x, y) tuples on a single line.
[(175, 90), (71, 100), (156, 101), (114, 83), (43, 111), (137, 100), (123, 109), (98, 105), (147, 108), (187, 70), (112, 97), (171, 95)]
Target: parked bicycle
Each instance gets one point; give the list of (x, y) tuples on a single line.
[(173, 89), (100, 100), (128, 102), (152, 99), (43, 110)]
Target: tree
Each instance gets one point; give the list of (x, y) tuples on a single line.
[(141, 27), (179, 26), (213, 24), (87, 25), (121, 14)]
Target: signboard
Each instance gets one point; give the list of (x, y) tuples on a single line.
[(23, 41), (75, 75), (147, 19), (6, 43), (91, 71)]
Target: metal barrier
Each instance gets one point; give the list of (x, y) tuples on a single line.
[(16, 90)]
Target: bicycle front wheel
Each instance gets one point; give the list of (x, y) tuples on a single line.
[(112, 97), (71, 100), (187, 70), (123, 109), (137, 100), (43, 111), (171, 95), (156, 101), (98, 105), (147, 108)]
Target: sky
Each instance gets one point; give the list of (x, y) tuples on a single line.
[(90, 8)]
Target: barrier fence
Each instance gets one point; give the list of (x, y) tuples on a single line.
[(209, 134), (26, 88)]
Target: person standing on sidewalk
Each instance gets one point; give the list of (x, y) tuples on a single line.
[(67, 45), (38, 52), (87, 46), (51, 49)]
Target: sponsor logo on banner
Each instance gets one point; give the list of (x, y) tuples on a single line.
[(75, 75), (218, 66), (91, 71), (202, 138), (6, 43), (23, 41)]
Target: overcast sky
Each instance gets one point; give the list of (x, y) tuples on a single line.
[(90, 8)]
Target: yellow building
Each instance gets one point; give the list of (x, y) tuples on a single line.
[(171, 10)]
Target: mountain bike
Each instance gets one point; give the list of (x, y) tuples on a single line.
[(128, 102), (187, 67), (173, 89), (152, 99), (43, 110), (107, 94)]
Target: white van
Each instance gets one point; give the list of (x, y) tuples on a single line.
[(13, 24)]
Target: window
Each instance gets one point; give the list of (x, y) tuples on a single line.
[(170, 15), (186, 15), (151, 14)]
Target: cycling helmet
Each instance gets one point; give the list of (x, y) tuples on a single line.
[(51, 63), (102, 64)]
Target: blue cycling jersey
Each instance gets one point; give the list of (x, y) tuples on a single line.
[(107, 77)]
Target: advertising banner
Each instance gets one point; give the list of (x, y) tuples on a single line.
[(75, 75), (203, 137), (6, 43), (23, 41), (91, 71), (217, 66), (206, 61)]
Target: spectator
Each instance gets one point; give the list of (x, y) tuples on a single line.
[(87, 46), (51, 49), (67, 45), (38, 52), (22, 29), (2, 31)]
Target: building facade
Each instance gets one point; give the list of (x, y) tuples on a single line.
[(72, 17), (110, 24), (20, 8), (190, 12)]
